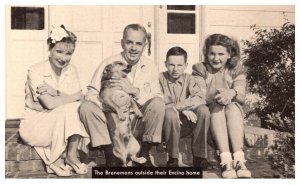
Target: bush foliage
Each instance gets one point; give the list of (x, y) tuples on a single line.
[(270, 61), (270, 58)]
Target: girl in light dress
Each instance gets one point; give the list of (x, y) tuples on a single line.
[(226, 85)]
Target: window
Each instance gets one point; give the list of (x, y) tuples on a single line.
[(27, 18), (181, 23), (181, 19), (181, 7)]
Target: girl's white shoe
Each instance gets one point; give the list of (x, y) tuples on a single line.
[(241, 170), (228, 172)]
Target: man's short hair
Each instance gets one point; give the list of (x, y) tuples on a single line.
[(177, 51), (136, 27)]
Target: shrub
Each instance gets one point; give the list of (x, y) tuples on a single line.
[(270, 58), (270, 61)]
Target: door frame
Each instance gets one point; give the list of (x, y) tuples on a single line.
[(200, 31)]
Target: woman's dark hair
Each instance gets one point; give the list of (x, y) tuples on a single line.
[(222, 40), (70, 38)]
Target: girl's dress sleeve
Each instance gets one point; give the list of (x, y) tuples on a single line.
[(199, 70), (239, 83)]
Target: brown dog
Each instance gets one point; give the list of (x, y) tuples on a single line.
[(118, 103)]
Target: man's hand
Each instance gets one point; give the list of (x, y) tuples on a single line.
[(46, 89), (125, 85), (225, 96), (191, 116)]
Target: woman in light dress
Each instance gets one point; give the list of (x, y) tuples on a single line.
[(51, 123)]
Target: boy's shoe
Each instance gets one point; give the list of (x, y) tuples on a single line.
[(241, 170), (200, 162), (228, 171), (173, 162)]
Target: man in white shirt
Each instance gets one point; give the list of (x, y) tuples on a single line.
[(142, 84)]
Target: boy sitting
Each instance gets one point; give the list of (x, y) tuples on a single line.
[(186, 111)]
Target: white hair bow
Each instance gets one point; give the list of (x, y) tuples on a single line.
[(57, 34)]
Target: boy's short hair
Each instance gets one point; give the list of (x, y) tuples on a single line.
[(176, 51)]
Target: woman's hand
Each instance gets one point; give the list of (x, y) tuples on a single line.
[(225, 96), (191, 116), (46, 89)]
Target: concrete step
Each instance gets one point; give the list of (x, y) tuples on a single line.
[(21, 159)]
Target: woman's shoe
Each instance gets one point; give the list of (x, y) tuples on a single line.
[(79, 168), (61, 171), (241, 170), (228, 171)]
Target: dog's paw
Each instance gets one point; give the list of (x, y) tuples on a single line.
[(121, 117), (139, 160), (139, 114)]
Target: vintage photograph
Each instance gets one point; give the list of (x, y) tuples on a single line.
[(150, 91)]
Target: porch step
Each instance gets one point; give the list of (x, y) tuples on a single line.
[(23, 159), (19, 157)]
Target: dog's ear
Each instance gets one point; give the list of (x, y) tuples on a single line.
[(106, 72), (107, 69)]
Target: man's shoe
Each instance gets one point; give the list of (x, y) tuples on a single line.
[(145, 152), (228, 172), (241, 170), (149, 162), (110, 159), (172, 162)]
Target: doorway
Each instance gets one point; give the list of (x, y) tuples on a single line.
[(178, 25)]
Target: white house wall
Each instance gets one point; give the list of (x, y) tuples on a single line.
[(236, 20), (99, 30)]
